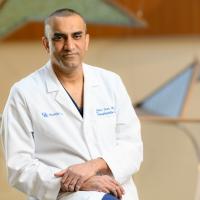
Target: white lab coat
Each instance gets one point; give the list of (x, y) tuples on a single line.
[(43, 132)]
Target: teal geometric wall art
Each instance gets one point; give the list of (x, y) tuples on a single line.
[(15, 13)]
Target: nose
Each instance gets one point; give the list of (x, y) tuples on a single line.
[(69, 44)]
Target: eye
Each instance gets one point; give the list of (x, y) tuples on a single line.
[(77, 35), (57, 37)]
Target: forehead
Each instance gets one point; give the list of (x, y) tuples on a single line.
[(66, 24)]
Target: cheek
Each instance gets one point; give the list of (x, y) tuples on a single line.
[(83, 48), (55, 49)]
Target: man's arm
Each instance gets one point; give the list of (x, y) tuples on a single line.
[(74, 176), (84, 177), (128, 143), (129, 147), (25, 172), (103, 183)]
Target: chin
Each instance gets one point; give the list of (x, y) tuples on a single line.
[(71, 65)]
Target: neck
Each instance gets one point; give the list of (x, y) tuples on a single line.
[(72, 77)]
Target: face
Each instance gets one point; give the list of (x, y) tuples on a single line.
[(66, 42)]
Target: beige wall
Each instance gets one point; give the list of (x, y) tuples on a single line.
[(170, 164), (143, 64)]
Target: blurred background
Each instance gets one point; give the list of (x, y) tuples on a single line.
[(147, 42)]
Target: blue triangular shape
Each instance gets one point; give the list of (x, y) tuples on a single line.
[(169, 99)]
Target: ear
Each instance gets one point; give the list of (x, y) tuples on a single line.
[(45, 43), (87, 41)]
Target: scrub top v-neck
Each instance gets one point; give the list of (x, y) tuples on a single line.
[(80, 110)]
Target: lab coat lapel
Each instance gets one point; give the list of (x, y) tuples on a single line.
[(55, 88), (91, 84), (63, 98)]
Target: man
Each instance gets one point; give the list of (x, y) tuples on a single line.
[(69, 129)]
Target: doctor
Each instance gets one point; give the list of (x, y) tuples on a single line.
[(69, 130)]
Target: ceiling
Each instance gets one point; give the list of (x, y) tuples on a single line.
[(163, 18), (14, 14)]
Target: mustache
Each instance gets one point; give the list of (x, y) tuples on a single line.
[(69, 54)]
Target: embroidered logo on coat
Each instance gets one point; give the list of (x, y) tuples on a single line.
[(46, 115), (105, 111)]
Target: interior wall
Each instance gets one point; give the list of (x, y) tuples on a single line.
[(144, 64), (170, 165)]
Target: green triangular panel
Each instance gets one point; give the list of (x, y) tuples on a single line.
[(15, 13), (168, 99)]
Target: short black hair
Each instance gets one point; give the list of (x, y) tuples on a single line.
[(62, 12)]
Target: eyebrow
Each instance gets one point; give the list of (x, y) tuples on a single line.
[(63, 34), (58, 34), (78, 32)]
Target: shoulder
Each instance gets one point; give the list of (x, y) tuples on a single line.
[(29, 83), (103, 74)]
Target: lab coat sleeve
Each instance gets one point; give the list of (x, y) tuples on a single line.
[(25, 172), (125, 157)]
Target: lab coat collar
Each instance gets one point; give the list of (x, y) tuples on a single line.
[(91, 81), (53, 84), (90, 76)]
